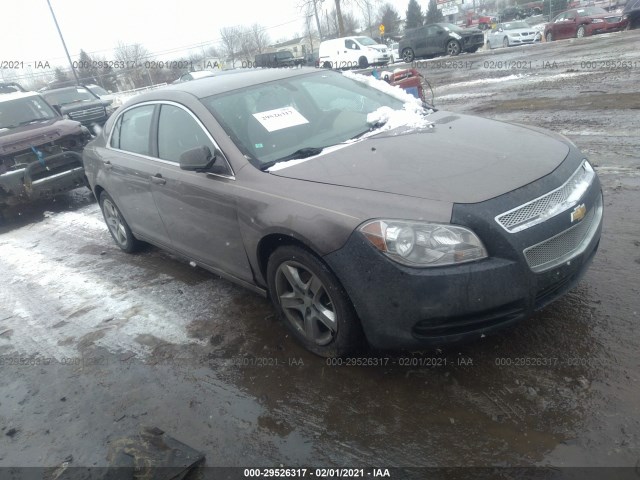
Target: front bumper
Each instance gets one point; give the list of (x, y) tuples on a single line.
[(404, 307), (60, 173)]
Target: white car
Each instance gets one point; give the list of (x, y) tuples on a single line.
[(395, 54), (513, 33)]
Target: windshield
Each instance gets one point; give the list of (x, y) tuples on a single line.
[(22, 111), (273, 120), (514, 25), (71, 95), (366, 41), (583, 12)]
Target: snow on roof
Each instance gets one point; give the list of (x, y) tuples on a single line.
[(6, 97)]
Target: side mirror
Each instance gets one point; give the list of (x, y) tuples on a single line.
[(58, 109), (200, 159)]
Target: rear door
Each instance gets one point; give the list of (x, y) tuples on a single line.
[(198, 209)]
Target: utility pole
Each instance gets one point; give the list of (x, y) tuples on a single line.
[(315, 8), (73, 70)]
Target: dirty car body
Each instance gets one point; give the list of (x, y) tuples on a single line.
[(40, 152), (343, 199)]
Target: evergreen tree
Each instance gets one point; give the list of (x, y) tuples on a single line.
[(414, 15), (434, 15)]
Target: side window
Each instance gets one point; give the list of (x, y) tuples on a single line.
[(178, 132), (131, 131)]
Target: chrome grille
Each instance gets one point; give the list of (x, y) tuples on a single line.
[(87, 114), (548, 205), (566, 245)]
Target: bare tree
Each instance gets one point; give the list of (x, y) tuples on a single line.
[(368, 9), (260, 37), (230, 41), (133, 57), (311, 8)]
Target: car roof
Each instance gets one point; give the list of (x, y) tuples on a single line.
[(63, 89), (225, 81), (16, 95)]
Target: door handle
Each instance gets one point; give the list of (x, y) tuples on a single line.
[(107, 165), (158, 180)]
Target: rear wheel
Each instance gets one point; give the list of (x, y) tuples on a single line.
[(408, 55), (581, 32), (118, 227), (312, 303), (326, 65), (453, 48)]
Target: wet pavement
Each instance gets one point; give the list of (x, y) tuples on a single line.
[(95, 343)]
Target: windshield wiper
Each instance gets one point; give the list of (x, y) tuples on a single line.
[(373, 127), (35, 120), (298, 154)]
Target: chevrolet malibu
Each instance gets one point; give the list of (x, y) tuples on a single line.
[(365, 215)]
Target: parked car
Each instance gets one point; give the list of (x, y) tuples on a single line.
[(631, 13), (438, 39), (187, 77), (511, 13), (394, 53), (106, 96), (10, 87), (79, 103), (352, 52), (481, 21), (39, 150), (582, 22), (362, 213), (512, 33), (283, 58)]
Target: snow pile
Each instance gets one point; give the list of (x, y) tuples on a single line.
[(383, 86)]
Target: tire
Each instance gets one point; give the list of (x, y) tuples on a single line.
[(473, 50), (549, 37), (118, 227), (311, 302), (505, 42), (363, 62), (453, 48), (408, 56), (327, 65), (580, 32)]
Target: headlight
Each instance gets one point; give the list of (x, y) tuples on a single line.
[(597, 20), (419, 244)]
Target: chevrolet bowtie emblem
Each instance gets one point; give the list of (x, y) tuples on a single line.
[(578, 213)]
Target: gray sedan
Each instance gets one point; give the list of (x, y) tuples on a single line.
[(513, 33), (365, 215)]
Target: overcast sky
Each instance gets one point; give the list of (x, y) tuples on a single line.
[(28, 33)]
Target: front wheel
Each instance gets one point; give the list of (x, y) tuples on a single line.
[(505, 42), (118, 227), (549, 37), (408, 55), (312, 303), (363, 62), (453, 48), (581, 31)]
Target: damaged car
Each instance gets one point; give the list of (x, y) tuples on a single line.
[(366, 215), (40, 152)]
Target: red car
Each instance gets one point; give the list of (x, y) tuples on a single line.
[(581, 22)]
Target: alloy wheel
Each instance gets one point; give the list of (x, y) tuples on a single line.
[(306, 302), (114, 222)]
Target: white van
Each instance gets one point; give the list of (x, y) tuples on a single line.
[(352, 52)]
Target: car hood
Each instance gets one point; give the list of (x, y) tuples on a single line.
[(462, 159), (518, 31), (25, 137)]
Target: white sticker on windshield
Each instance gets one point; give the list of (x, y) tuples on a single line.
[(280, 118)]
